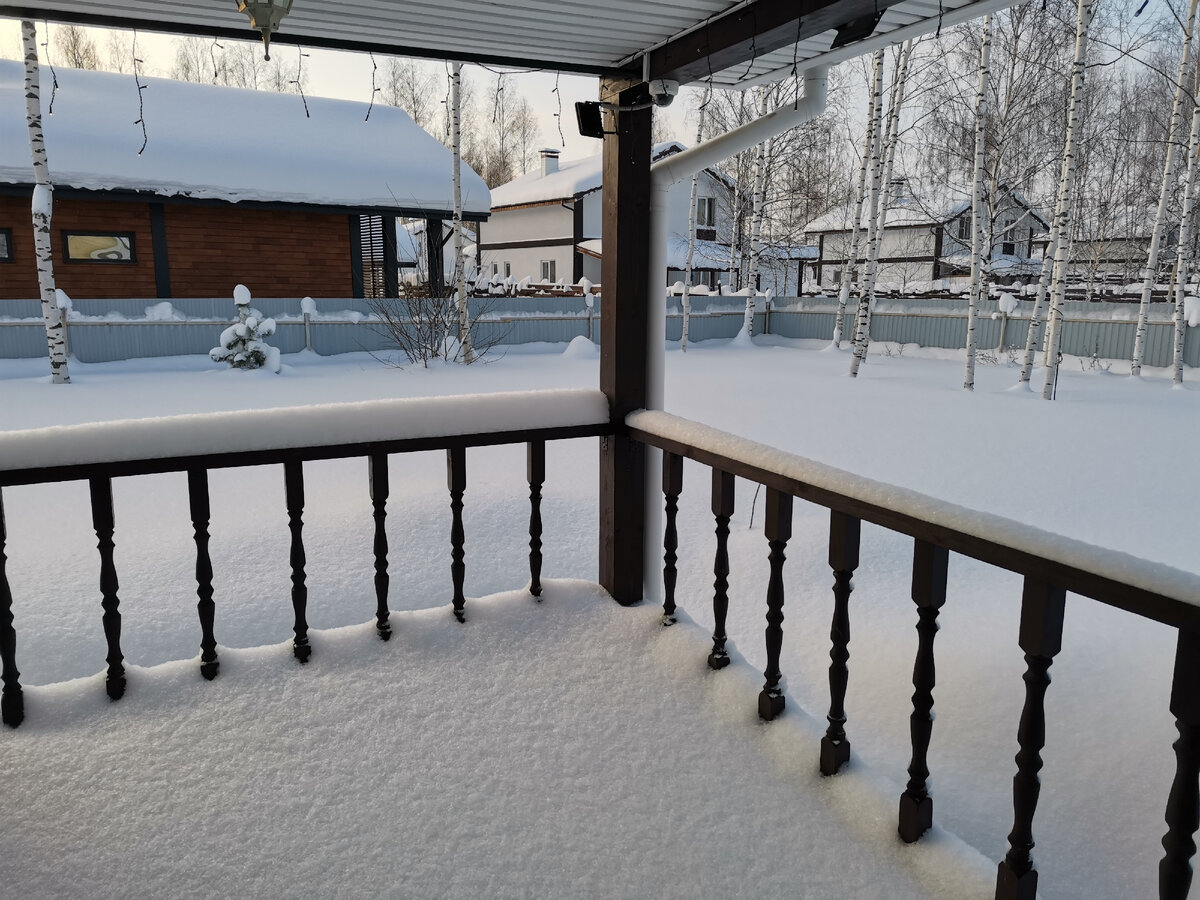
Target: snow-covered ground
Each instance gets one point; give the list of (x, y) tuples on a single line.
[(462, 773)]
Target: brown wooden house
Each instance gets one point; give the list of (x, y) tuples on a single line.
[(288, 197)]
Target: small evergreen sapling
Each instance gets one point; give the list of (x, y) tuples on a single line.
[(242, 344)]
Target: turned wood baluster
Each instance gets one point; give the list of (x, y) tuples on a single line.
[(12, 701), (778, 527), (535, 469), (722, 508), (930, 565), (843, 559), (201, 511), (672, 485), (377, 480), (1042, 607), (1183, 804), (104, 524), (456, 480), (293, 480)]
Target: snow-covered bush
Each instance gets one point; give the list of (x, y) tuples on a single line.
[(241, 344)]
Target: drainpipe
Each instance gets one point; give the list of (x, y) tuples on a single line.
[(663, 174)]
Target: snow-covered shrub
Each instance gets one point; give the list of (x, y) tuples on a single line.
[(241, 344)]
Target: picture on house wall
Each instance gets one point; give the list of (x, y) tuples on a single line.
[(116, 247)]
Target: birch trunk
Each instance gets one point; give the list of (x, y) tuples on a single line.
[(460, 275), (686, 300), (985, 53), (879, 213), (1184, 252), (1065, 196), (850, 269), (42, 209), (758, 201), (1165, 192)]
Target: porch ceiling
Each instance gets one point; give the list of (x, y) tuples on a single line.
[(736, 44)]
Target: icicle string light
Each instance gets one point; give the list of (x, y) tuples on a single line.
[(53, 74), (499, 92), (753, 41), (796, 61), (558, 115), (374, 88), (212, 53), (941, 12), (137, 79), (300, 54)]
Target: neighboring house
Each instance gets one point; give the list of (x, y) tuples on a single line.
[(921, 245), (287, 196), (413, 252), (546, 224)]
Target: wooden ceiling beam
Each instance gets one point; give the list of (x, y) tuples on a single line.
[(753, 30)]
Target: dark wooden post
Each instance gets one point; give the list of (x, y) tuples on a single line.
[(434, 250), (293, 481), (930, 565), (456, 480), (377, 480), (535, 469), (778, 529), (623, 346), (1042, 607), (672, 485), (722, 508), (104, 524), (12, 701), (843, 559), (201, 511), (1183, 804)]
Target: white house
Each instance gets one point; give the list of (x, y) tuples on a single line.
[(924, 242), (546, 224)]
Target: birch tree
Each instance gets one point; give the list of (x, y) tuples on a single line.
[(1183, 255), (850, 269), (43, 206), (758, 200), (1063, 212), (881, 193), (686, 300), (1151, 271), (460, 275), (977, 211)]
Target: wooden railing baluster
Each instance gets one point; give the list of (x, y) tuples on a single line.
[(1183, 804), (1042, 607), (456, 480), (930, 565), (379, 488), (722, 508), (104, 524), (843, 559), (535, 471), (778, 528), (12, 701), (672, 485), (201, 513), (293, 479)]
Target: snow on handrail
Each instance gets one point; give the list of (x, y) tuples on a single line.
[(322, 425), (950, 521)]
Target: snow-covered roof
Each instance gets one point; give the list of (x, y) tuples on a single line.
[(910, 212), (706, 255), (573, 178), (229, 144)]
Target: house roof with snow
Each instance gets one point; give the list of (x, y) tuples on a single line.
[(221, 143), (574, 178), (706, 254), (910, 211)]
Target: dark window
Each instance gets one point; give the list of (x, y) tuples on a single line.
[(705, 212), (548, 268), (964, 227), (6, 248), (99, 247)]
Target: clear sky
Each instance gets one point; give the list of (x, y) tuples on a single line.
[(347, 76)]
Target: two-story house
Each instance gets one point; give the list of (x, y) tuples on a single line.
[(546, 224)]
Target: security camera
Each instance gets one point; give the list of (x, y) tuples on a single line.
[(663, 91)]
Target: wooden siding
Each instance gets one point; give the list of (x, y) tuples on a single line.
[(276, 253)]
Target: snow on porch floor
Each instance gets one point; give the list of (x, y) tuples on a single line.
[(563, 748)]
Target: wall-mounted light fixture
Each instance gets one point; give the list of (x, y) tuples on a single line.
[(265, 15)]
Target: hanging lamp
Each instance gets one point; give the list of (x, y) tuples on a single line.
[(265, 15)]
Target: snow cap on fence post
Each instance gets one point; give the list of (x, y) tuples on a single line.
[(241, 295)]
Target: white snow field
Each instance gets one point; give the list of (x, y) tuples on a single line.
[(572, 747)]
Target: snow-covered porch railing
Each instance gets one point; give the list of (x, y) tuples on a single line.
[(1051, 565), (289, 437)]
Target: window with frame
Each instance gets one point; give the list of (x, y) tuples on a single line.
[(706, 213), (6, 247), (508, 270), (107, 247), (1008, 247), (548, 273), (495, 268), (964, 227)]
